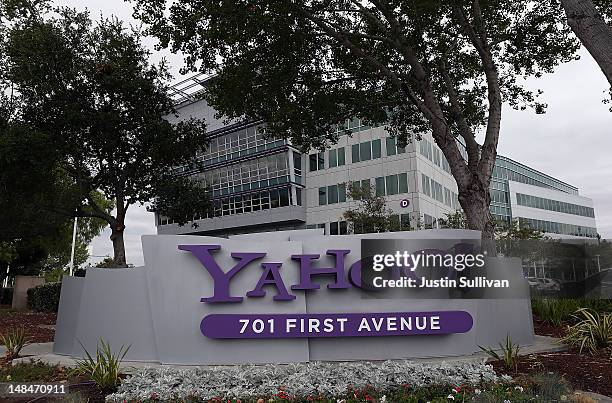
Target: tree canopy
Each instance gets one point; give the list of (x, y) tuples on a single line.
[(416, 66), (96, 110), (371, 213)]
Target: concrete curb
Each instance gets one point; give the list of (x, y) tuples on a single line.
[(44, 353)]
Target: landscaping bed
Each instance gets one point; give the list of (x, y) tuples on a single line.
[(36, 324), (79, 387), (543, 328), (591, 373)]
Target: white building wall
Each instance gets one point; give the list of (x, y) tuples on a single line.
[(410, 162), (546, 215)]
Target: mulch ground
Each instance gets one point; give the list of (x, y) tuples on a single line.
[(36, 324), (546, 329), (591, 373)]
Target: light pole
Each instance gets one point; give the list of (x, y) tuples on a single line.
[(74, 232), (5, 282)]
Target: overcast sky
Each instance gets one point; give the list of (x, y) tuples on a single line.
[(571, 142)]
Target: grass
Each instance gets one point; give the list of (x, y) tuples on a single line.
[(32, 371), (559, 311)]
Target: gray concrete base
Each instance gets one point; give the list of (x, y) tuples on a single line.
[(44, 353), (596, 397)]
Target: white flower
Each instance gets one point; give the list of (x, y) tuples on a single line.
[(506, 401), (477, 391), (251, 382), (519, 388), (383, 399), (450, 397)]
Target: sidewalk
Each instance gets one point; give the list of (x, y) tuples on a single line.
[(44, 353)]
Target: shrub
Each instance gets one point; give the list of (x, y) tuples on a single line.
[(44, 298), (6, 296), (14, 340), (592, 331), (104, 368), (32, 371), (550, 386), (509, 353), (331, 380), (557, 311)]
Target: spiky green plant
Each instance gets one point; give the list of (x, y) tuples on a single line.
[(592, 331), (509, 353), (14, 340), (104, 368)]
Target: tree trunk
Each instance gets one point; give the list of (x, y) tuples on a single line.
[(592, 30), (475, 202), (118, 244)]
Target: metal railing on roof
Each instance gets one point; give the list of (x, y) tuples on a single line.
[(189, 89)]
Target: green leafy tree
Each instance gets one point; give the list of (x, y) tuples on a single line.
[(503, 230), (514, 230), (416, 66), (454, 220), (88, 89), (106, 263), (371, 213)]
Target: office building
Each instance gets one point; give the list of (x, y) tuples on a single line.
[(261, 184)]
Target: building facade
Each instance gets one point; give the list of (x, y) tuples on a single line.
[(261, 184)]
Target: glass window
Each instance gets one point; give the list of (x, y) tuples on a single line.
[(428, 221), (405, 221), (380, 186), (333, 158), (341, 192), (395, 222), (322, 196), (321, 160), (284, 197), (403, 183), (390, 146), (341, 156), (343, 228), (312, 162), (356, 187), (392, 186), (355, 153), (333, 228), (365, 151), (376, 151), (332, 194), (436, 156), (274, 199), (425, 185)]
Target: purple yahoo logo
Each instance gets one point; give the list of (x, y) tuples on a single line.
[(271, 273)]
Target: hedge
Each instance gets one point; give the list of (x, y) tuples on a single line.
[(44, 298), (6, 296)]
